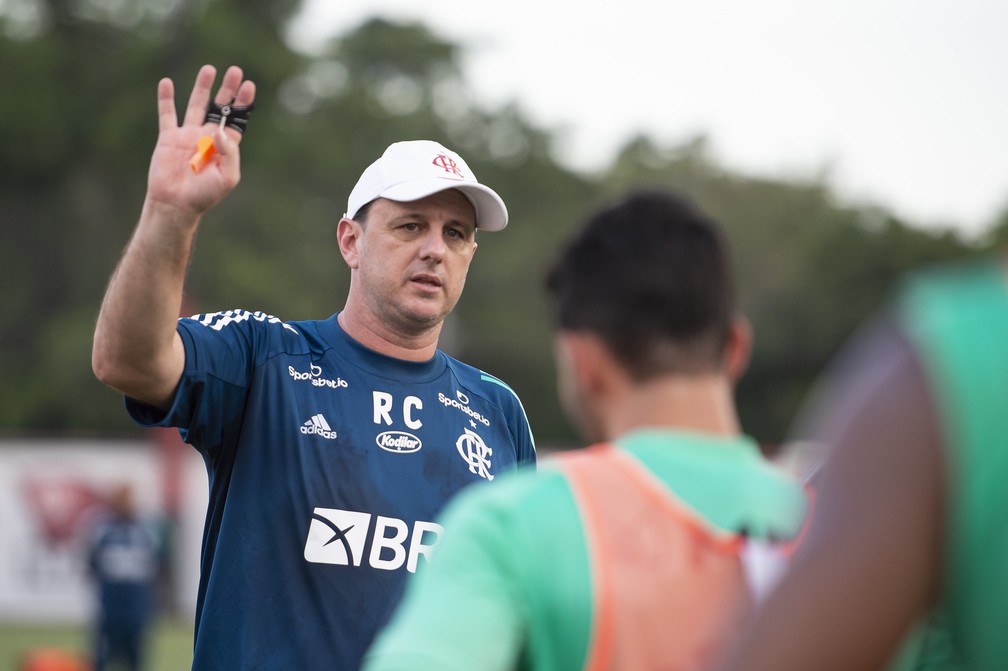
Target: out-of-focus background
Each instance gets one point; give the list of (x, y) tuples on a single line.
[(840, 143)]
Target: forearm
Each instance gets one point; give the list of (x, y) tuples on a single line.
[(136, 347)]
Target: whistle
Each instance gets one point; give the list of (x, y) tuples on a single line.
[(205, 147)]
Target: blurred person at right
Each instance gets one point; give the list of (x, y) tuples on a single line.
[(905, 564)]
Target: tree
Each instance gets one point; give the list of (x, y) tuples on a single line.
[(809, 268), (78, 116)]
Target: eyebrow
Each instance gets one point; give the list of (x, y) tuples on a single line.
[(423, 217)]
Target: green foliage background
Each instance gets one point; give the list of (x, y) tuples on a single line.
[(78, 122)]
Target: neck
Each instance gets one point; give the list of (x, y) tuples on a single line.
[(377, 336), (701, 403)]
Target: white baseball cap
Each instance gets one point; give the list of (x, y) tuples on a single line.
[(415, 169)]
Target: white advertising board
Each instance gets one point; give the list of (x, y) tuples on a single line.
[(50, 492)]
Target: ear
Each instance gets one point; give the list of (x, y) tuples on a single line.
[(581, 382), (348, 235), (738, 348), (589, 364)]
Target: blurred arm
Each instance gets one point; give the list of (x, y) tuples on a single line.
[(870, 563)]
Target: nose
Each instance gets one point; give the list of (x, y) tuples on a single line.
[(432, 245)]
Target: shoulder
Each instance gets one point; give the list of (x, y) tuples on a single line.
[(489, 396), (238, 318), (482, 384), (258, 330)]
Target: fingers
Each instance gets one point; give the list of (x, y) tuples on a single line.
[(242, 92), (229, 86), (200, 96), (233, 87), (246, 93), (227, 143), (167, 118)]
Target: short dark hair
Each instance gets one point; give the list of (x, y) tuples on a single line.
[(651, 276), (362, 213)]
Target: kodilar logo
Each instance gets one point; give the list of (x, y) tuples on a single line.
[(399, 442)]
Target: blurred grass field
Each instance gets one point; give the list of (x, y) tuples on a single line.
[(169, 647)]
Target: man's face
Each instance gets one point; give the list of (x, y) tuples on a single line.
[(413, 258)]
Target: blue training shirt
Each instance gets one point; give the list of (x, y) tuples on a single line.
[(123, 557), (327, 463)]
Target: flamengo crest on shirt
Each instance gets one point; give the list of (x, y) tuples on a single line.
[(341, 537), (476, 453)]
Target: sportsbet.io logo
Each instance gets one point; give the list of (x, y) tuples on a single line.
[(341, 537), (462, 404), (315, 377)]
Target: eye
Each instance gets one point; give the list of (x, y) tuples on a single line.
[(460, 233)]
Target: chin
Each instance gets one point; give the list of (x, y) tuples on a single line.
[(424, 319)]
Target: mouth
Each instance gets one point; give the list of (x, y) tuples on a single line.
[(426, 282)]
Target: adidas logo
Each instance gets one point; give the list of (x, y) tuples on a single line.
[(318, 426)]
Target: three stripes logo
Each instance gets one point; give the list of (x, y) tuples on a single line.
[(318, 426)]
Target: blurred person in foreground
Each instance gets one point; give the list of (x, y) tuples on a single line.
[(626, 554), (905, 563), (124, 561), (330, 444)]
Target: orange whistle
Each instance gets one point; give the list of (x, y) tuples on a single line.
[(205, 149)]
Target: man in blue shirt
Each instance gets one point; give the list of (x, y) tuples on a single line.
[(123, 558), (330, 445)]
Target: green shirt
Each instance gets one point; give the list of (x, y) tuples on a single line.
[(957, 320), (510, 585)]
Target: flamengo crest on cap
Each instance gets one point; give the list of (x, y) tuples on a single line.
[(447, 164)]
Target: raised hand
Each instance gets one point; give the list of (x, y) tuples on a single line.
[(170, 181), (136, 347)]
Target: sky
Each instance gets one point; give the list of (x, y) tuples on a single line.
[(896, 103)]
